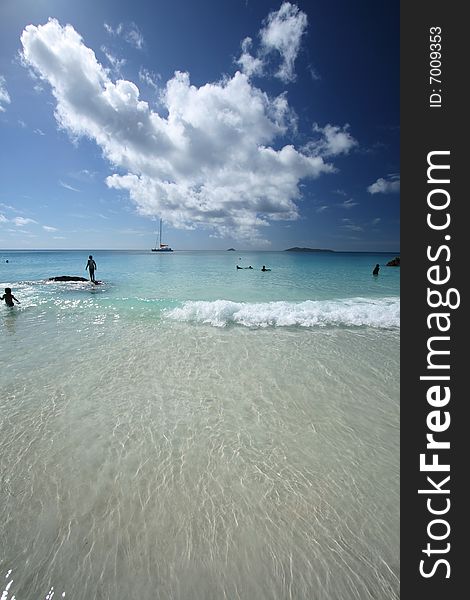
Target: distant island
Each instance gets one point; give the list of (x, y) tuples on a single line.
[(231, 250), (296, 249)]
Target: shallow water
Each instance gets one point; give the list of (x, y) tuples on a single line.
[(157, 444)]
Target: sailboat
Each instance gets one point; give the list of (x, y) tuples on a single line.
[(161, 247)]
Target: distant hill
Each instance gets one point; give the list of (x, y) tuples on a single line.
[(231, 250), (296, 249)]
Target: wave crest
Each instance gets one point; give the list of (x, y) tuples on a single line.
[(381, 313)]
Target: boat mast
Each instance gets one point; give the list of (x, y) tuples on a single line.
[(160, 233)]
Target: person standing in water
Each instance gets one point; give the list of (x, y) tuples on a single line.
[(8, 297), (376, 270), (91, 266)]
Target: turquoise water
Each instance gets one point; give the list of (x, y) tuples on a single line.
[(189, 430), (151, 283)]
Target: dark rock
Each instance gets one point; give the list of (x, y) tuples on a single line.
[(395, 262), (231, 250), (67, 278)]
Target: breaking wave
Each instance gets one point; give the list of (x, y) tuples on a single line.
[(380, 313)]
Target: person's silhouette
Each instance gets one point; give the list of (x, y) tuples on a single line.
[(91, 266), (8, 297)]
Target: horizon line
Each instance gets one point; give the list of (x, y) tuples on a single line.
[(184, 250)]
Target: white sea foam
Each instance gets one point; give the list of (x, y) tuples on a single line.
[(380, 312)]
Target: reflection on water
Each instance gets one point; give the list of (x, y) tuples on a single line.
[(8, 592), (9, 317), (173, 460)]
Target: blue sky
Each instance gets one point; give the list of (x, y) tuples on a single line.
[(253, 124)]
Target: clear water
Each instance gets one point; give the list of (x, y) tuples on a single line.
[(188, 430)]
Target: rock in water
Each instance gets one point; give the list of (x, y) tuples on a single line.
[(67, 278)]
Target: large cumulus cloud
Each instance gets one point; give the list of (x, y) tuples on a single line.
[(211, 158)]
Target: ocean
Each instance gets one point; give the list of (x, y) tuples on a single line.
[(187, 430)]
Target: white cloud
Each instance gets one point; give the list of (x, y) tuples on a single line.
[(348, 203), (22, 221), (335, 140), (84, 175), (212, 160), (68, 187), (116, 63), (281, 35), (87, 173), (350, 225), (353, 227), (49, 228), (314, 74), (3, 219), (9, 207), (388, 185), (4, 95), (149, 78), (248, 63), (129, 32)]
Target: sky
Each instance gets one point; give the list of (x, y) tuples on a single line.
[(251, 124)]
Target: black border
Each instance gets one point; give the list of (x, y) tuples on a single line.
[(424, 129)]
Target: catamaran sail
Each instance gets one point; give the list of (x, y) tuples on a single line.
[(160, 247)]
